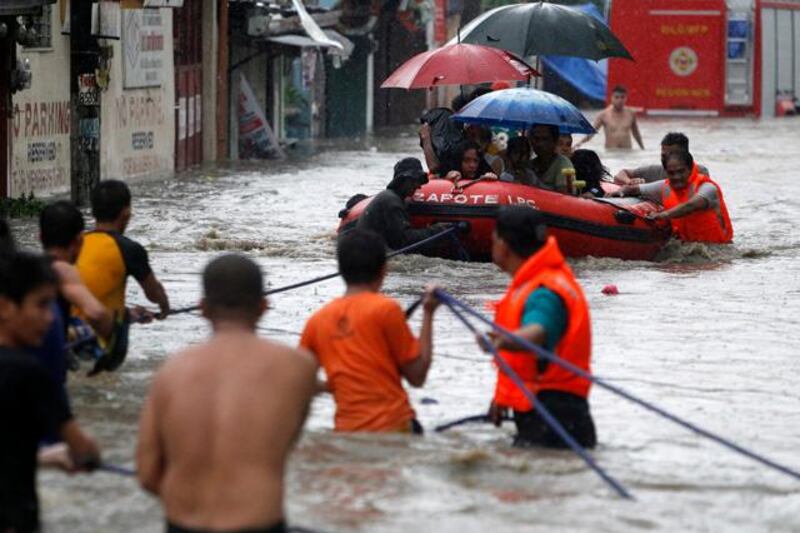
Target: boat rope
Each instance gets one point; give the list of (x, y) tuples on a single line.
[(551, 421), (553, 358), (474, 419), (116, 469), (410, 248)]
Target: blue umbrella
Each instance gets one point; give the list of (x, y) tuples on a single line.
[(521, 108)]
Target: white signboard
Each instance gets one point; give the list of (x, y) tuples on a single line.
[(142, 47)]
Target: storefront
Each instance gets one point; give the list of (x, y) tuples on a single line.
[(14, 76), (708, 57)]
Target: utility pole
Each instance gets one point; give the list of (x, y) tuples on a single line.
[(84, 103), (7, 46)]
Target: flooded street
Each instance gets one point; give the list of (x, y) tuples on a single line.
[(710, 334)]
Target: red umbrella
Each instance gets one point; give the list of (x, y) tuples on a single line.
[(459, 64)]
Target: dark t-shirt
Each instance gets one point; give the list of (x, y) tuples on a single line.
[(52, 356), (137, 263), (387, 216), (29, 408)]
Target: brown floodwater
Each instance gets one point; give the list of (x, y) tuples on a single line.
[(711, 333)]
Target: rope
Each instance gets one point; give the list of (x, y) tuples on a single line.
[(116, 469), (553, 358), (410, 248), (551, 421), (474, 419)]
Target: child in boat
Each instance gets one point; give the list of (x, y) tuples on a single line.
[(473, 164), (364, 344), (518, 155), (589, 169)]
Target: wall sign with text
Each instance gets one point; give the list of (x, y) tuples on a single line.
[(142, 48)]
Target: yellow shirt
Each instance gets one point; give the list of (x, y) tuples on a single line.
[(105, 262)]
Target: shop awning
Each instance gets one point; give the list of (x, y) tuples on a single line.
[(22, 7), (312, 28), (344, 48)]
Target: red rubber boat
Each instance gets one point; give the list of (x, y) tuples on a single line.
[(600, 227)]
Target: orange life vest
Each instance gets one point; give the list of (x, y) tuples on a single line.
[(708, 225), (547, 268)]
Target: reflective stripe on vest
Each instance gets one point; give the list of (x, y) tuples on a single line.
[(547, 268), (708, 225)]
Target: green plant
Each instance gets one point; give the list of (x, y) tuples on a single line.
[(24, 206)]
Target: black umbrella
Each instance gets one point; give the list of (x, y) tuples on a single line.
[(541, 28)]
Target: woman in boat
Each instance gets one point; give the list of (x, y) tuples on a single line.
[(473, 165), (518, 156), (482, 136), (589, 169)]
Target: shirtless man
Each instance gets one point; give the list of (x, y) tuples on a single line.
[(221, 417), (619, 123)]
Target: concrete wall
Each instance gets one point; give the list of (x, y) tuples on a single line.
[(137, 135), (40, 128), (138, 125)]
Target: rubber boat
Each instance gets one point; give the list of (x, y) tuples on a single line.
[(599, 227)]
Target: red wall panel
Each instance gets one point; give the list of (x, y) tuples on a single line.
[(679, 48)]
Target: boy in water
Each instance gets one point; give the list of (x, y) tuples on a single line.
[(30, 406), (222, 416), (108, 257), (364, 344), (61, 228)]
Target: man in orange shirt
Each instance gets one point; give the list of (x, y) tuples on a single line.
[(364, 344)]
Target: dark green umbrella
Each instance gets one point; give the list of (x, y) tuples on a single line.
[(542, 28)]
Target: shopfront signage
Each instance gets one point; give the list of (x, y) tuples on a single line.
[(142, 48)]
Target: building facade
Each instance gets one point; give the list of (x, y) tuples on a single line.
[(709, 57), (153, 87)]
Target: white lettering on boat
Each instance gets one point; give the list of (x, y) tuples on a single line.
[(472, 199)]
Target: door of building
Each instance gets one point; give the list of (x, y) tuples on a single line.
[(187, 30)]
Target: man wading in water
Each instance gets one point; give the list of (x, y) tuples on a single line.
[(222, 416), (619, 123), (544, 305), (387, 215), (364, 344), (30, 404)]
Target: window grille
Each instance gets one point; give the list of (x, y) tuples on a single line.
[(43, 26)]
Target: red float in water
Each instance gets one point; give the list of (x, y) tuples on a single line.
[(610, 290)]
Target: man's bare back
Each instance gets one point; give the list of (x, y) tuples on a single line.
[(217, 429)]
